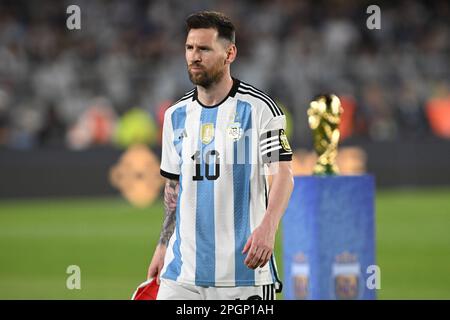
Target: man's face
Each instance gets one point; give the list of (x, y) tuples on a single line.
[(206, 56)]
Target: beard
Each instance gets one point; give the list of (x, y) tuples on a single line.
[(206, 78)]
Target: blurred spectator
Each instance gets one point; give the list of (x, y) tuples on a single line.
[(378, 112), (53, 128), (96, 126), (132, 53), (136, 127), (410, 112), (4, 121), (438, 110)]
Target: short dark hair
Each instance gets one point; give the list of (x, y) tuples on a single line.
[(212, 19)]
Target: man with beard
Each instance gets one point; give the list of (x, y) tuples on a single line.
[(220, 141)]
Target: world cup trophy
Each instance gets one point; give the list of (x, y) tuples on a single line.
[(324, 116)]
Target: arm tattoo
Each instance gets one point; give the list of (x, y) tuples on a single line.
[(170, 205)]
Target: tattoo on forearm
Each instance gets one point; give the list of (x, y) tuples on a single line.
[(170, 205)]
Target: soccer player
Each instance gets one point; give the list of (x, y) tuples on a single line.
[(220, 141)]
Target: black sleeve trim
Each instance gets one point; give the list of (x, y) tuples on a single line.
[(277, 158), (169, 175), (285, 157)]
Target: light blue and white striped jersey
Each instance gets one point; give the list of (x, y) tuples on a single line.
[(218, 154)]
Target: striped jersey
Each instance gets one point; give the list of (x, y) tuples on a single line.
[(219, 155)]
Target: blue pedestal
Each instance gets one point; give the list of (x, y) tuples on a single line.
[(329, 238)]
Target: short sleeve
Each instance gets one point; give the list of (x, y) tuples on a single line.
[(170, 158), (274, 145)]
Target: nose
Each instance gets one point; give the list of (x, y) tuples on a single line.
[(196, 56)]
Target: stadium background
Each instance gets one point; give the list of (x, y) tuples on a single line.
[(72, 101)]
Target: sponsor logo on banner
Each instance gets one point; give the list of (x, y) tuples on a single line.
[(346, 273), (300, 276)]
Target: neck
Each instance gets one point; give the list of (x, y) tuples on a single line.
[(216, 92)]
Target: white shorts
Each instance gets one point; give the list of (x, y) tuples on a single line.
[(172, 290)]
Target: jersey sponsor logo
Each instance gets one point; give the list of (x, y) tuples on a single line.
[(207, 133), (284, 141)]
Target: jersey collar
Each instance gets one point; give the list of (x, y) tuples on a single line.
[(232, 93)]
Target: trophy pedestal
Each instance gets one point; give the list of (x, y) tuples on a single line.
[(329, 238)]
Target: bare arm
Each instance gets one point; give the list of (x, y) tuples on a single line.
[(280, 193), (171, 190), (170, 205), (261, 243)]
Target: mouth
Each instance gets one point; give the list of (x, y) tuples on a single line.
[(195, 68)]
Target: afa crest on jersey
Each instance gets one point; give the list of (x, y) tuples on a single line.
[(234, 131), (207, 133)]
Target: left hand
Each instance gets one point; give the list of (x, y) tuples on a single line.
[(259, 246)]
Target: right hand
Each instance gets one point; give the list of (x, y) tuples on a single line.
[(154, 270)]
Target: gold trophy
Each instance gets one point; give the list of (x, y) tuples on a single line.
[(324, 118)]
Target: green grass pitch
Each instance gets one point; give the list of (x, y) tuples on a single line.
[(113, 243)]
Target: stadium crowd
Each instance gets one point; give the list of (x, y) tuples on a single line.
[(130, 54)]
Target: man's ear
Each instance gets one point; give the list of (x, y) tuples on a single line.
[(231, 53)]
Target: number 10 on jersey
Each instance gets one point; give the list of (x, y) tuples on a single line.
[(211, 158)]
